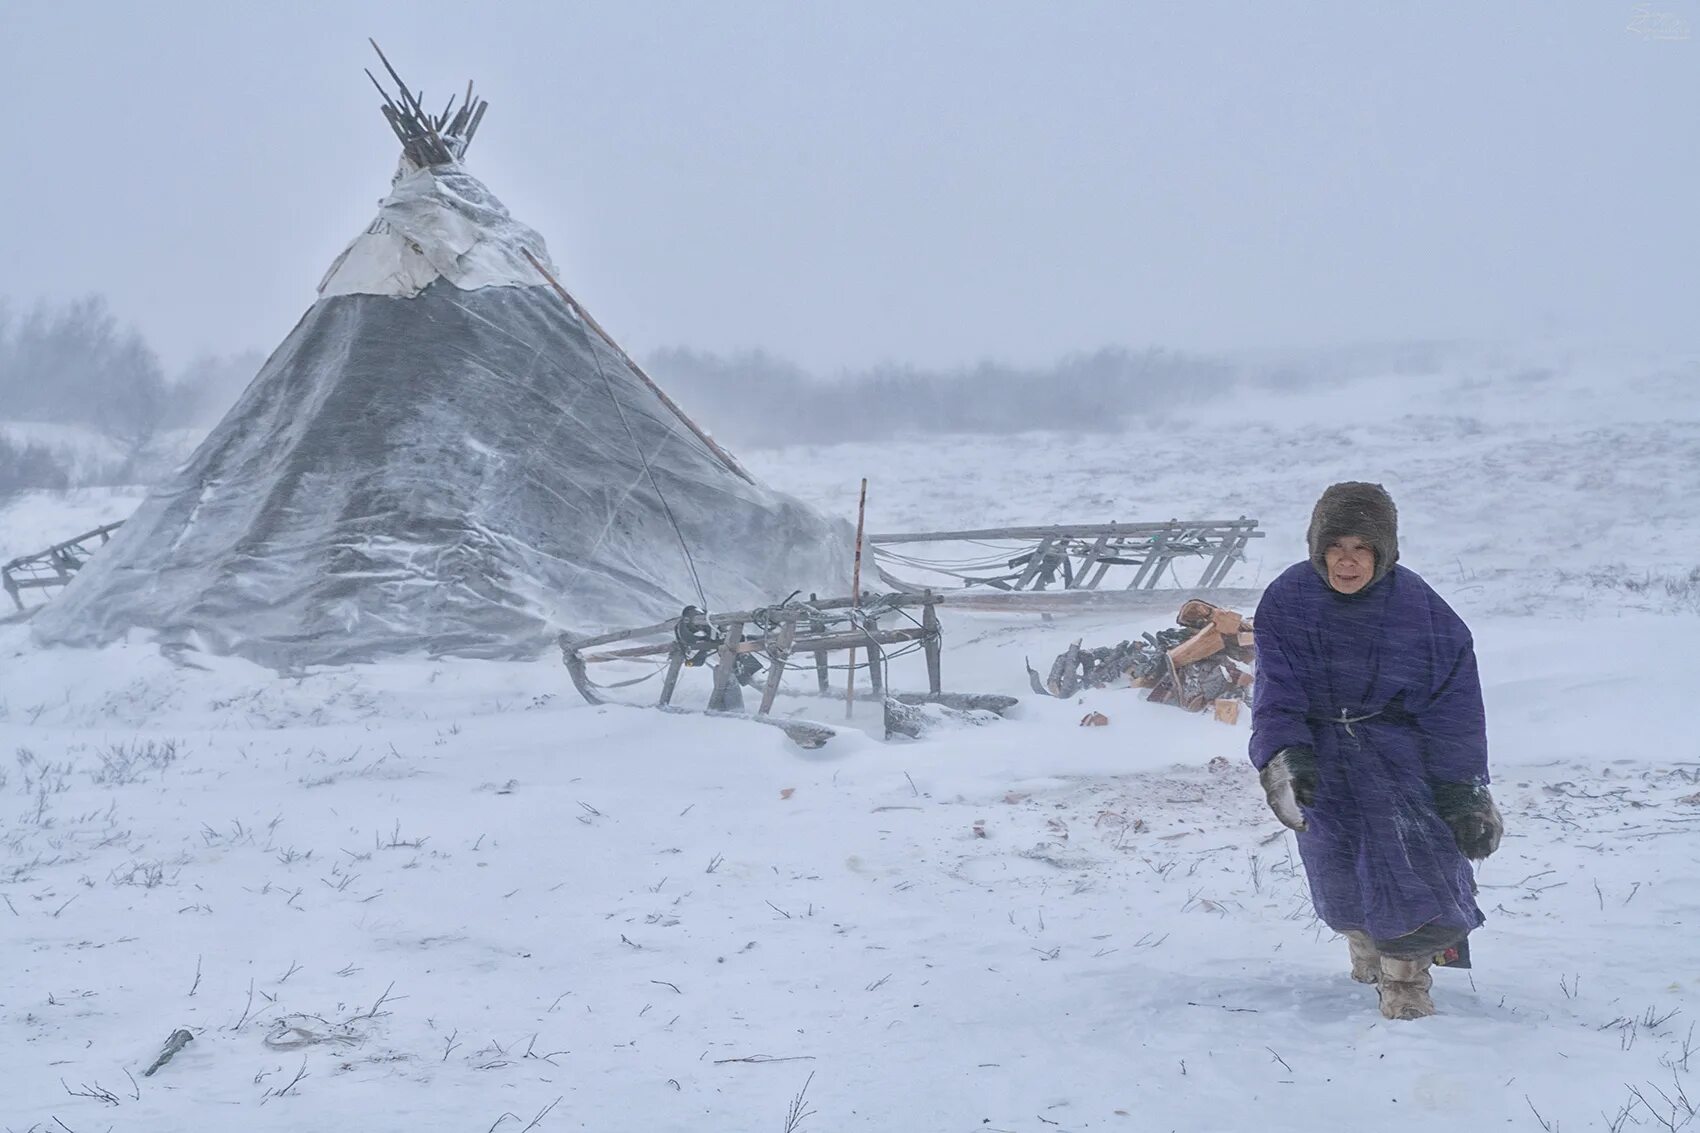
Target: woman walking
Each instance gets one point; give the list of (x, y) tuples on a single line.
[(1369, 735)]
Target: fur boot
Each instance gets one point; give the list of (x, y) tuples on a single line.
[(1366, 961), (1404, 989)]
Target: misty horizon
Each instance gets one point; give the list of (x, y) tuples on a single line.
[(932, 187)]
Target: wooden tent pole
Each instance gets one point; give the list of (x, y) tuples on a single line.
[(576, 308), (856, 598)]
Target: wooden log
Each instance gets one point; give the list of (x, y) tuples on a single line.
[(1228, 710), (1195, 613), (1064, 679), (1206, 642), (1228, 622), (1231, 647)]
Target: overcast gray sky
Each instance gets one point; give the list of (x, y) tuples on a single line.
[(917, 181)]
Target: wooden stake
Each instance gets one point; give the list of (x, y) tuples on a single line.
[(776, 665), (856, 596), (727, 696), (675, 662), (876, 661), (819, 628), (930, 631)]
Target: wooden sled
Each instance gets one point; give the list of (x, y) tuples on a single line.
[(731, 643)]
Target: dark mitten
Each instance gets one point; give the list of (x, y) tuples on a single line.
[(1289, 782), (1468, 809)]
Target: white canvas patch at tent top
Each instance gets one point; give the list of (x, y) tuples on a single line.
[(436, 224)]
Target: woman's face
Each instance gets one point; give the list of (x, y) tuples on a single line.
[(1351, 564)]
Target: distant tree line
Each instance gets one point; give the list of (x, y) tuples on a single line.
[(754, 398), (74, 363), (30, 465)]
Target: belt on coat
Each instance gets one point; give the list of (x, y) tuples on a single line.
[(1345, 720)]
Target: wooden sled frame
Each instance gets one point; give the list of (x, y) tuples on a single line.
[(54, 566), (1079, 555), (817, 627)]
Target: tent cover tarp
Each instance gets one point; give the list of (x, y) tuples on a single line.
[(441, 458)]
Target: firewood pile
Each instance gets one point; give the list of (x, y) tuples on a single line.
[(1196, 666)]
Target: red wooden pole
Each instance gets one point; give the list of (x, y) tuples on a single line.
[(856, 597)]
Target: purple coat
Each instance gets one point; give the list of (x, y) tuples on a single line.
[(1396, 663)]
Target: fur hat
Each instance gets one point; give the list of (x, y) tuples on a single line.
[(1355, 508)]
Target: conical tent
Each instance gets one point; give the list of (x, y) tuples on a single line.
[(447, 456)]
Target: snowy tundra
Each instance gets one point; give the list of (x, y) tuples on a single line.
[(447, 895)]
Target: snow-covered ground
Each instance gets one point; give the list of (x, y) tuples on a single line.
[(448, 895)]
